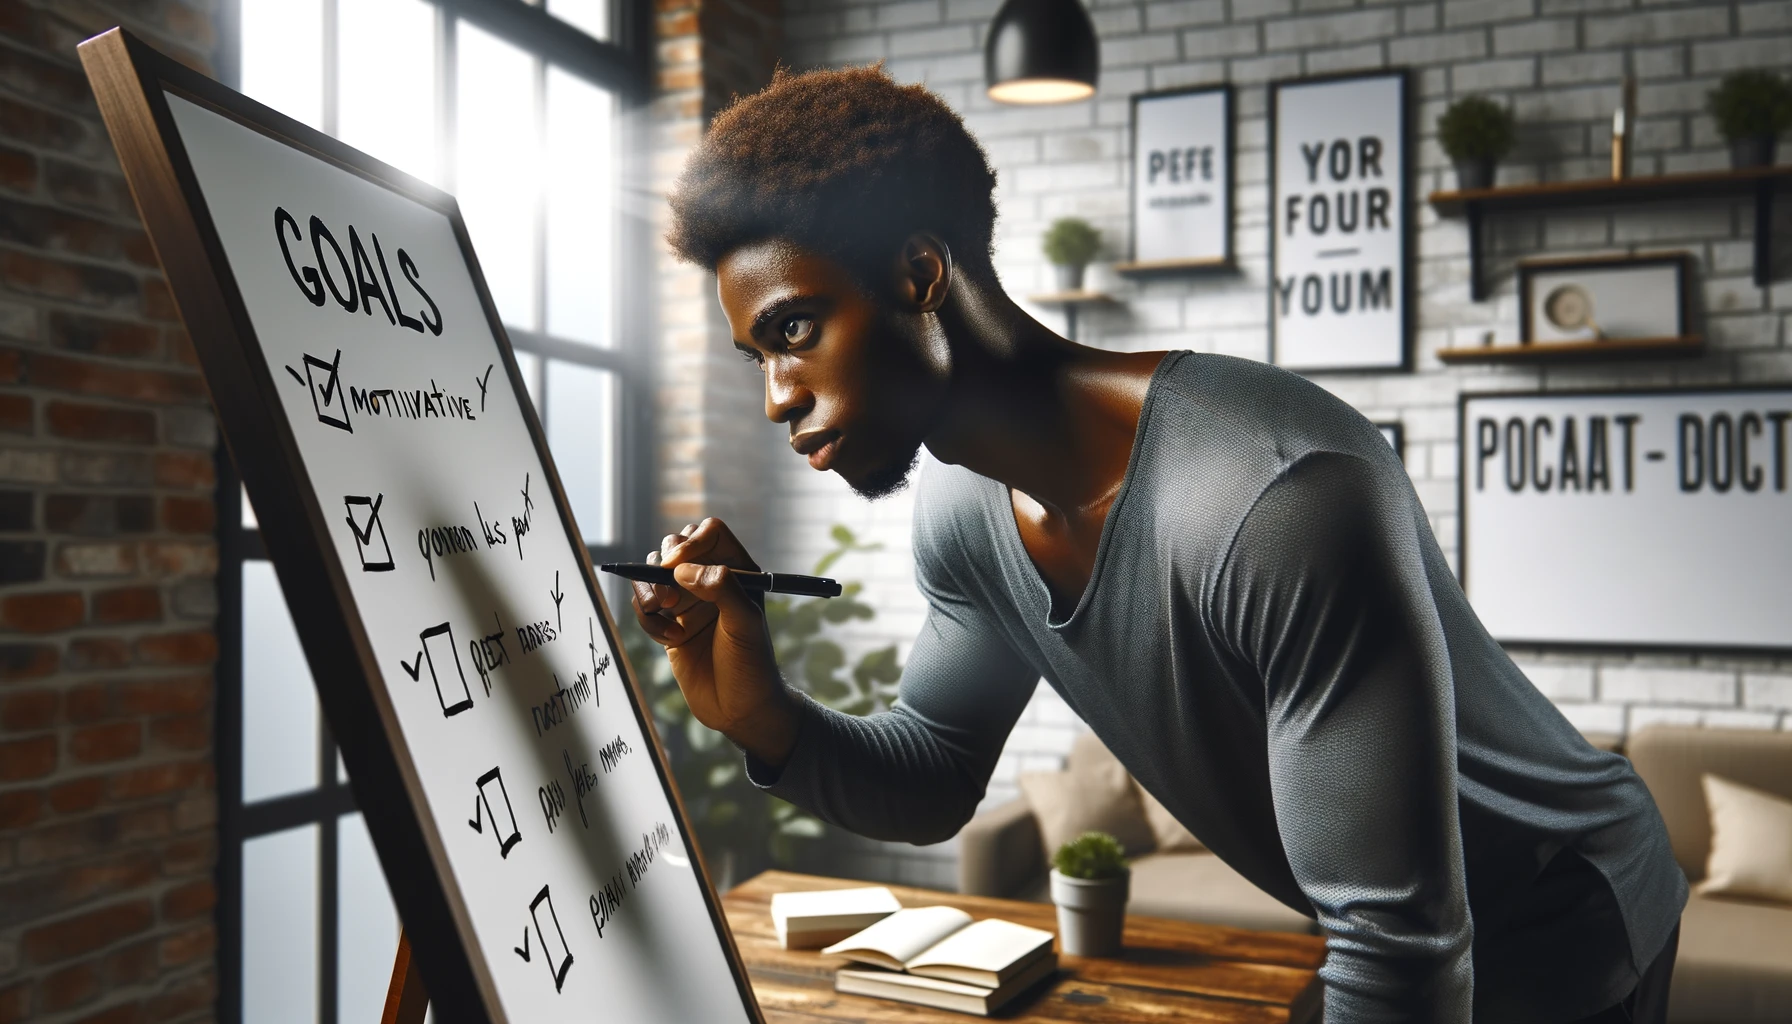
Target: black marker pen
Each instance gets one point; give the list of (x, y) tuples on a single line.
[(765, 582)]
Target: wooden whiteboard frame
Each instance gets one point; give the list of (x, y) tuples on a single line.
[(129, 79)]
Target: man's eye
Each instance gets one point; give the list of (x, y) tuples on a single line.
[(797, 330)]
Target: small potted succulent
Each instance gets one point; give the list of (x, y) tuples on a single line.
[(1477, 133), (1070, 244), (1090, 885), (1751, 109)]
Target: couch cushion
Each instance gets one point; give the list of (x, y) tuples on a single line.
[(1671, 761), (1735, 963), (1172, 837), (1093, 794), (1200, 887), (1751, 843), (1610, 742)]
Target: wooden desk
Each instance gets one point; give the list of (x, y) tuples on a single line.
[(1171, 970)]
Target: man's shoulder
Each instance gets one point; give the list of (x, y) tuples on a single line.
[(1232, 401), (1223, 431), (951, 506), (954, 527)]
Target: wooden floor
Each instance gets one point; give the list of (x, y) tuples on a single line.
[(1170, 970)]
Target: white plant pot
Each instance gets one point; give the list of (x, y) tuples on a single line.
[(1091, 913), (1070, 276)]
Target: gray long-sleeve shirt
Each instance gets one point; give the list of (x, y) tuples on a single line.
[(1273, 644)]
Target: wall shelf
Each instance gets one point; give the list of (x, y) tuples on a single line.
[(1072, 302), (1147, 268), (1688, 347), (1477, 204)]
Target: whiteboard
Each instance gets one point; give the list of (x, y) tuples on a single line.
[(1643, 519), (521, 811), (1338, 232)]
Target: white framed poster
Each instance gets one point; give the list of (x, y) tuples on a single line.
[(1181, 180), (1635, 519), (1339, 245)]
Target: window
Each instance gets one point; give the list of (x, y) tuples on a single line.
[(519, 110)]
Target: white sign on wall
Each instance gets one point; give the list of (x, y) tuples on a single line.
[(1338, 242), (1634, 519), (505, 768), (1182, 179)]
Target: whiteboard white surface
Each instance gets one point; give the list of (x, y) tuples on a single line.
[(1338, 214), (1652, 519), (533, 765), (1181, 177)]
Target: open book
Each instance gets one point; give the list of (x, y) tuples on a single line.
[(944, 943)]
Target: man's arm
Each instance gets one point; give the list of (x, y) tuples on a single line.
[(917, 772), (1325, 595)]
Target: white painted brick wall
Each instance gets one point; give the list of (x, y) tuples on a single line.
[(1556, 61)]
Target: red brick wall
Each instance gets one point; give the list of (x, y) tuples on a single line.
[(107, 807), (707, 51)]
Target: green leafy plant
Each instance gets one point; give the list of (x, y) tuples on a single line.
[(734, 820), (1092, 855), (1476, 128), (1071, 241), (1751, 104)]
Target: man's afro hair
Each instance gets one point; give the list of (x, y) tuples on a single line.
[(846, 163)]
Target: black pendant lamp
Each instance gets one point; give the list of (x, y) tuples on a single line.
[(1041, 51)]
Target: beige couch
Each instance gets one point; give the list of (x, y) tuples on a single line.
[(1000, 854), (1735, 961)]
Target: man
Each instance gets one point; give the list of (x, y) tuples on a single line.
[(1221, 567)]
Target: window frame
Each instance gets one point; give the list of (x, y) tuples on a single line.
[(622, 65)]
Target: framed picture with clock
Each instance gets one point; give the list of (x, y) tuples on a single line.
[(1607, 298)]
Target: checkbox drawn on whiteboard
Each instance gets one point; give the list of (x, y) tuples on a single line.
[(438, 661), (328, 397), (373, 558)]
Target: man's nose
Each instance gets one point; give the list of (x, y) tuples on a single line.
[(785, 397)]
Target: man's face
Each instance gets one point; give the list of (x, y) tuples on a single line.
[(858, 379)]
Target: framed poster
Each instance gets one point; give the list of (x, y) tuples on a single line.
[(512, 783), (1181, 180), (1634, 519), (1602, 299), (1340, 248)]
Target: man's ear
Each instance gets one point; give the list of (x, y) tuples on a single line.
[(924, 273)]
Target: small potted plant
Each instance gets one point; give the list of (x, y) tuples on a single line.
[(1751, 109), (1089, 884), (1477, 133), (1070, 244)]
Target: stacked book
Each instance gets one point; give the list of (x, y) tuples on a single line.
[(938, 956), (811, 920)]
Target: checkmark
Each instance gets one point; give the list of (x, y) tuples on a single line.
[(328, 394), (558, 595), (523, 951), (415, 670), (375, 552)]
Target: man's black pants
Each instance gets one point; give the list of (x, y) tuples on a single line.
[(1648, 1002)]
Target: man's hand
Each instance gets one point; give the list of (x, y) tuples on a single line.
[(716, 638)]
